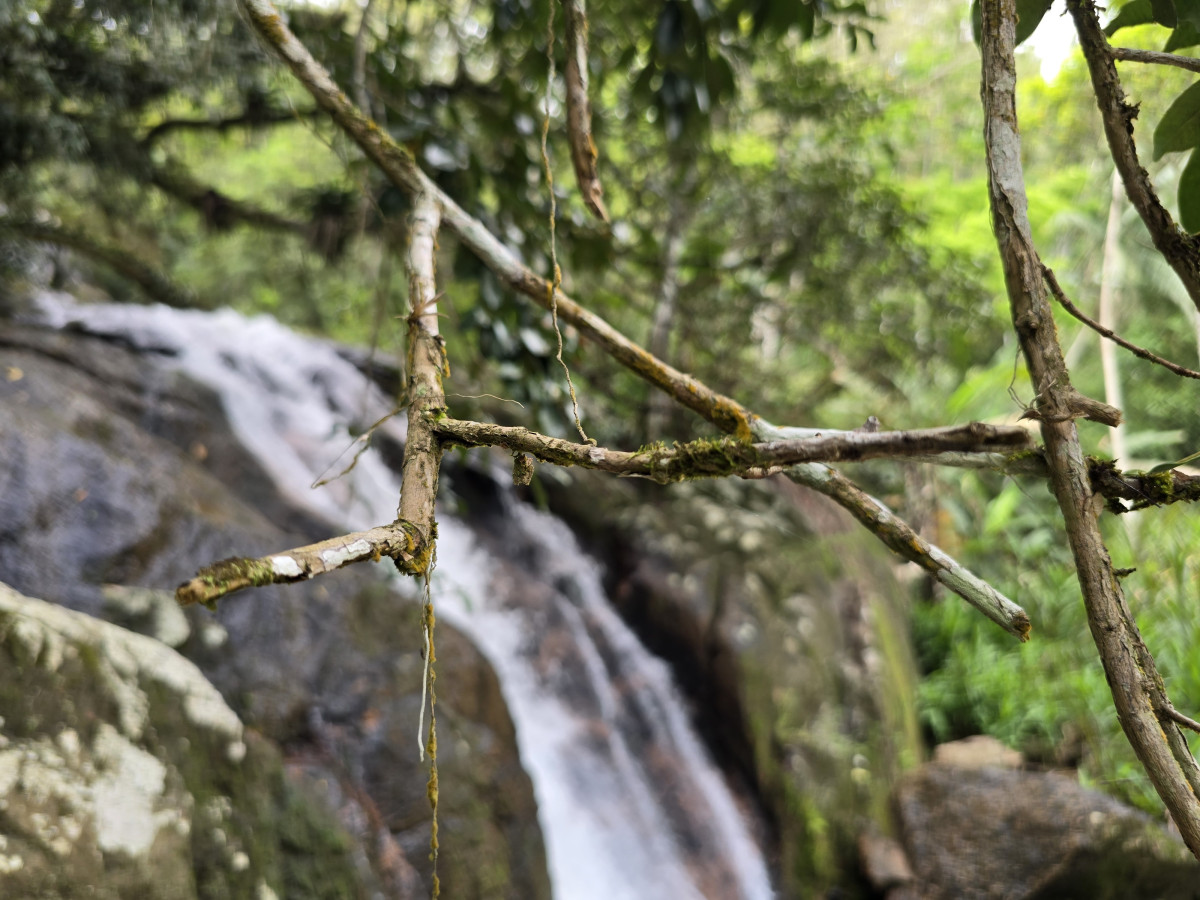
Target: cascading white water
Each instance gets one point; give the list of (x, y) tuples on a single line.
[(629, 804)]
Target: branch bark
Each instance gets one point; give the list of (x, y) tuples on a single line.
[(1137, 688), (579, 110), (1061, 296), (716, 458), (399, 541), (1156, 57), (902, 540), (426, 397), (1181, 251)]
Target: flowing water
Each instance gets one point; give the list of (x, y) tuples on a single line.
[(629, 803)]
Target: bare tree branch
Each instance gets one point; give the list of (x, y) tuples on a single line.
[(1125, 54), (1061, 296), (402, 170), (1136, 686), (121, 260), (730, 416), (399, 541), (708, 458), (1181, 251), (426, 366), (251, 118), (901, 539), (579, 110)]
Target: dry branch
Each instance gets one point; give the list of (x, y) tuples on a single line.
[(1061, 296), (1136, 686), (899, 537), (1156, 57), (399, 541), (1181, 251), (707, 458), (730, 416), (426, 366)]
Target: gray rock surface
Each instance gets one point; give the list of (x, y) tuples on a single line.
[(990, 833), (120, 476), (124, 774)]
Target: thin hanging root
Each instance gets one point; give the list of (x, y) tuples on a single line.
[(428, 620), (424, 695), (579, 110), (556, 275)]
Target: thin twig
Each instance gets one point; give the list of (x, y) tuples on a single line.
[(555, 269), (1156, 57), (1183, 720), (1061, 297)]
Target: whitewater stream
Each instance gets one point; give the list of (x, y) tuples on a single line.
[(629, 803)]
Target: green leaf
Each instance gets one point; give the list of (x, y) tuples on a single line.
[(1139, 12), (1179, 128), (1189, 195), (1186, 35), (1029, 15), (1164, 12), (1188, 12)]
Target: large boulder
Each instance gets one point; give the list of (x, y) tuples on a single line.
[(978, 829), (124, 774)]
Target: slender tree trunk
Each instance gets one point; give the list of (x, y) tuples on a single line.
[(1108, 315)]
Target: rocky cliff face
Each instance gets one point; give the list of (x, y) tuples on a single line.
[(118, 474)]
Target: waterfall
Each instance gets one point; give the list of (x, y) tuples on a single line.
[(629, 803)]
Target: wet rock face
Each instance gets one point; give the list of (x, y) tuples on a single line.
[(788, 631), (120, 475), (124, 774), (986, 833)]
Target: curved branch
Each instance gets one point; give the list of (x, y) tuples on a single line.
[(121, 260), (1155, 57), (1181, 251), (248, 119), (1137, 688), (1061, 297), (579, 110), (398, 164)]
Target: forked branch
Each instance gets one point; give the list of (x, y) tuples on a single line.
[(1137, 688), (401, 169)]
